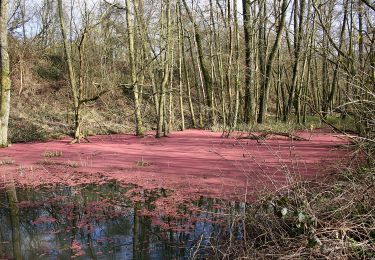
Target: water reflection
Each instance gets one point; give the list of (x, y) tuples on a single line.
[(95, 222)]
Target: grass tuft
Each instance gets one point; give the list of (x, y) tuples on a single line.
[(143, 163), (52, 154), (7, 162)]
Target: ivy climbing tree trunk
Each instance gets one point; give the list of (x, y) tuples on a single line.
[(5, 75)]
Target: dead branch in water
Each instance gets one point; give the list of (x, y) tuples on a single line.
[(266, 135)]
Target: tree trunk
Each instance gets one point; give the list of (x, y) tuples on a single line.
[(180, 61), (137, 108), (166, 27), (202, 64), (237, 69), (298, 25), (72, 77), (249, 98), (263, 102), (5, 75)]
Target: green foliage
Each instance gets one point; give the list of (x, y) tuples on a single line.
[(49, 73), (51, 67)]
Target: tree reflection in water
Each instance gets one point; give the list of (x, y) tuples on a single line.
[(91, 222)]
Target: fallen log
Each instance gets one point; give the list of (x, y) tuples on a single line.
[(265, 135)]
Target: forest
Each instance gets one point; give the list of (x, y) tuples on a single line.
[(187, 129)]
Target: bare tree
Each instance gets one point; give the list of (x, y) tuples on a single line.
[(77, 83), (266, 78), (137, 110)]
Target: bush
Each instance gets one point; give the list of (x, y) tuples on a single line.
[(334, 219)]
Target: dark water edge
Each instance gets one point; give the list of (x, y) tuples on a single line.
[(102, 222)]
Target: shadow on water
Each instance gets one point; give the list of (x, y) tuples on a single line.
[(98, 222)]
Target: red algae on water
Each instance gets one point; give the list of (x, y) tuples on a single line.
[(192, 163)]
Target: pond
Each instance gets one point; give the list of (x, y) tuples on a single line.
[(100, 222)]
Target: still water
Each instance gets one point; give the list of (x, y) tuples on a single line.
[(97, 222)]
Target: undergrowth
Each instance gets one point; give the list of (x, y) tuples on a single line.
[(312, 122), (331, 219)]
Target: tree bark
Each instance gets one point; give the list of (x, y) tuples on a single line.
[(137, 108), (298, 25), (249, 92), (5, 75), (263, 101), (166, 27), (202, 64), (72, 76)]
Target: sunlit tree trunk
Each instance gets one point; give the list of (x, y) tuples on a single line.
[(299, 10), (202, 64), (249, 92), (185, 69), (137, 108), (228, 69), (264, 93), (146, 47), (166, 31), (237, 64), (72, 76), (5, 75), (180, 61)]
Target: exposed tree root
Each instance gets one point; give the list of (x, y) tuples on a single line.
[(79, 140)]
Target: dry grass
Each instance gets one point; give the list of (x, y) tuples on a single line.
[(52, 154), (334, 219), (7, 162)]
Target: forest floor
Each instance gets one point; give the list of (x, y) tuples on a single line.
[(192, 163)]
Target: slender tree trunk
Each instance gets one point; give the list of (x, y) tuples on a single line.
[(199, 94), (202, 64), (228, 75), (237, 69), (166, 6), (180, 61), (5, 75), (263, 102), (146, 47), (334, 83), (170, 101), (137, 108), (249, 98), (298, 25), (72, 76), (186, 73)]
